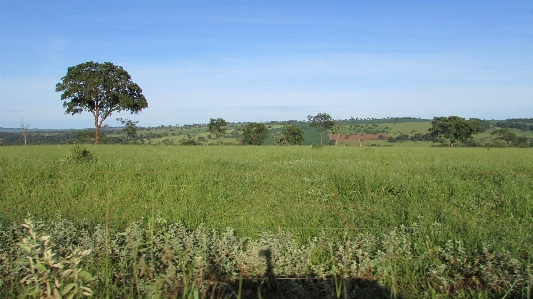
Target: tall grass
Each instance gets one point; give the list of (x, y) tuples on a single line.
[(481, 197)]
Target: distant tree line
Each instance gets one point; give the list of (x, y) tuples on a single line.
[(359, 120), (16, 138), (524, 124)]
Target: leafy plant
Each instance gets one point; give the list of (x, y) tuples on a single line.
[(80, 154), (46, 277)]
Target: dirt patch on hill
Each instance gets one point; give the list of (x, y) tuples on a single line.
[(356, 137)]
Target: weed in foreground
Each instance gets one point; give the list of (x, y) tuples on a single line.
[(158, 259), (80, 154), (44, 275)]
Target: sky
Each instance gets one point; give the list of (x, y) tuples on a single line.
[(272, 60)]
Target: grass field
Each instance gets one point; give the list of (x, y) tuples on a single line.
[(482, 197)]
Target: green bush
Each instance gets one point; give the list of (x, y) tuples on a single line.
[(80, 154)]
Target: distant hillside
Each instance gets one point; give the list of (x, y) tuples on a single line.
[(390, 131)]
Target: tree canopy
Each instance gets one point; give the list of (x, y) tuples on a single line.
[(101, 89), (217, 127), (454, 128), (322, 122), (505, 134), (293, 134), (255, 134)]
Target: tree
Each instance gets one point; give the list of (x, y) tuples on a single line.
[(25, 127), (293, 134), (338, 129), (255, 134), (524, 141), (279, 138), (131, 127), (322, 122), (505, 134), (454, 128), (217, 127), (101, 89)]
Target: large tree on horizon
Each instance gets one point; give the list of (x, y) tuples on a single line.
[(100, 89), (454, 128)]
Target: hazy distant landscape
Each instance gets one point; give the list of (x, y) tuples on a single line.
[(392, 131)]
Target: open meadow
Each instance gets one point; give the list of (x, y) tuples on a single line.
[(440, 221)]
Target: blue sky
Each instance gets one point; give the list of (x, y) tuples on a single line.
[(272, 60)]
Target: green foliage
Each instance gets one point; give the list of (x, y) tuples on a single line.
[(279, 139), (150, 135), (80, 154), (322, 122), (157, 258), (473, 196), (131, 127), (255, 134), (454, 128), (485, 124), (45, 277), (524, 142), (87, 136), (101, 89), (338, 129), (189, 142), (505, 134), (293, 134), (523, 124), (217, 127)]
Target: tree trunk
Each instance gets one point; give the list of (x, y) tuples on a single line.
[(96, 125), (96, 135), (337, 140)]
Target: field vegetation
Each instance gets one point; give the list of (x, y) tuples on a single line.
[(266, 222), (390, 132)]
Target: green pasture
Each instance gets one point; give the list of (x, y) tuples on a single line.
[(385, 143), (408, 128), (477, 194), (417, 222)]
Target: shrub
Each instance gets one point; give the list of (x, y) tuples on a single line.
[(161, 259), (189, 142), (80, 154)]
